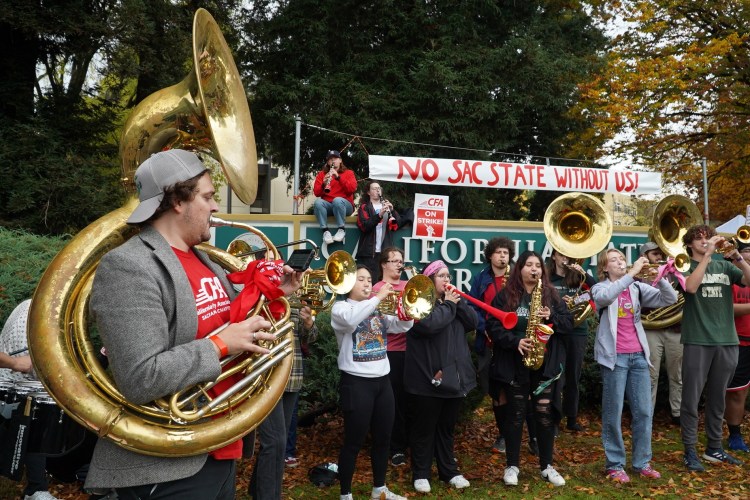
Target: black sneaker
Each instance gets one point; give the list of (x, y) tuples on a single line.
[(692, 462), (717, 455), (676, 420), (398, 459), (573, 425)]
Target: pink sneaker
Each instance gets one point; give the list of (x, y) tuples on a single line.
[(649, 471), (618, 475)]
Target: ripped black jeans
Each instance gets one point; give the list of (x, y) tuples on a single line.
[(515, 413)]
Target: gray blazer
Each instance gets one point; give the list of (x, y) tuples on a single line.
[(145, 311), (605, 294)]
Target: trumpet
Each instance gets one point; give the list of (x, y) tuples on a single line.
[(648, 271), (732, 243)]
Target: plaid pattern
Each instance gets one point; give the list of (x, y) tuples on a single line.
[(301, 334)]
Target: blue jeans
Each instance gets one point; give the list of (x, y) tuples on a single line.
[(340, 208), (630, 377)]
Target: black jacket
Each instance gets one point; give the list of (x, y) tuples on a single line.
[(367, 221), (438, 340), (507, 363)]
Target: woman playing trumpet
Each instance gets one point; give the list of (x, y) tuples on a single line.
[(517, 381), (365, 391), (622, 351)]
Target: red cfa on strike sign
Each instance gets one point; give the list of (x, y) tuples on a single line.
[(431, 216)]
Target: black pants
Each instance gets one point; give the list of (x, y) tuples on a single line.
[(575, 349), (544, 422), (214, 481), (432, 423), (36, 474), (367, 405), (400, 433)]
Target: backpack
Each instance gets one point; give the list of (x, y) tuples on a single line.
[(325, 474)]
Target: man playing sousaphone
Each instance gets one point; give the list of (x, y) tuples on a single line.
[(663, 342), (155, 299), (532, 297), (572, 283)]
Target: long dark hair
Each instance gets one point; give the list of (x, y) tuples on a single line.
[(514, 289), (571, 278), (365, 196)]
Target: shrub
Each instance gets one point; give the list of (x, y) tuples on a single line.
[(23, 259)]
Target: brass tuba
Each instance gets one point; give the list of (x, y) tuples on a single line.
[(578, 226), (206, 113), (672, 217)]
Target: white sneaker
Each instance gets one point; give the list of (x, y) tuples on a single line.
[(459, 482), (327, 237), (511, 476), (384, 493), (339, 236), (422, 485), (554, 477), (348, 496), (40, 495)]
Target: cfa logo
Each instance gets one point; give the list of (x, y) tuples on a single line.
[(432, 202)]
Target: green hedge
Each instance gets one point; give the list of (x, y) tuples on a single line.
[(23, 259)]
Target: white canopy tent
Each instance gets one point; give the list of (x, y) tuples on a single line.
[(731, 225)]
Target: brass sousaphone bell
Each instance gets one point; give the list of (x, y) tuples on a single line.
[(673, 216), (206, 113), (578, 226)]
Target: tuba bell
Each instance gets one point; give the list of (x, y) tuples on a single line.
[(339, 274), (578, 226), (207, 113), (416, 300), (672, 217)]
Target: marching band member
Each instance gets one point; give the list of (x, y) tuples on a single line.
[(499, 254), (146, 299), (365, 390), (666, 342), (516, 380), (709, 341), (566, 276), (391, 266), (740, 383), (622, 351), (376, 220), (438, 375), (334, 186)]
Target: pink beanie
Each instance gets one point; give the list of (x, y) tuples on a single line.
[(434, 267)]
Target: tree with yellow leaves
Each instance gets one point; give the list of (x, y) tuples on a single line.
[(676, 88)]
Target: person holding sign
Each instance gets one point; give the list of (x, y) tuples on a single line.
[(377, 220), (334, 186)]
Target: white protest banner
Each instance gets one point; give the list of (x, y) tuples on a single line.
[(491, 174), (430, 216)]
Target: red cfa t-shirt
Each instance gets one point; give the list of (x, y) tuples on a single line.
[(212, 304)]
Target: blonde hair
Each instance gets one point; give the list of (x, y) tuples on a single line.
[(601, 262)]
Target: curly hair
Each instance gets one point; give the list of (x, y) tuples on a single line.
[(499, 242), (695, 232)]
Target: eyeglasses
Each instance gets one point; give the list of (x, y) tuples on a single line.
[(445, 277), (395, 261)]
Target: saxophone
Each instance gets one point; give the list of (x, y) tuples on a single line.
[(536, 331)]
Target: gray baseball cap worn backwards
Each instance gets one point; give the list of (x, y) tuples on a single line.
[(157, 173), (648, 246)]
